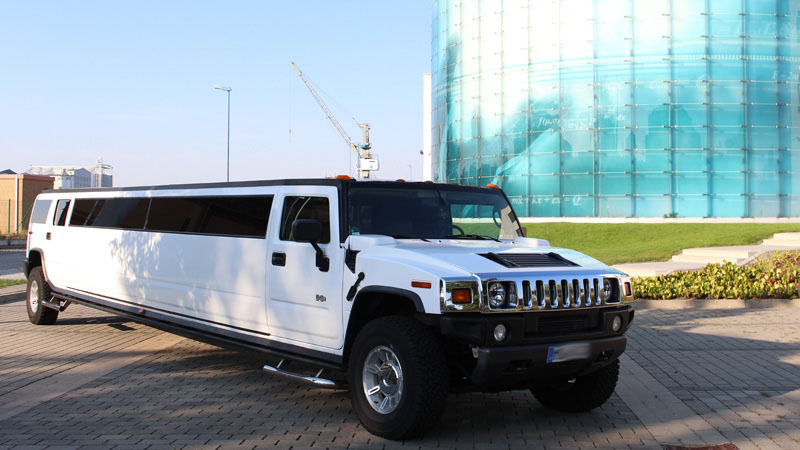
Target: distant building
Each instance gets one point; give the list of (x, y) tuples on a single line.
[(17, 193), (620, 108), (76, 177)]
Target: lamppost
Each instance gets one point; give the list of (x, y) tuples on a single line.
[(228, 169)]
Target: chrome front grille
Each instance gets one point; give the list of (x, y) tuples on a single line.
[(565, 293)]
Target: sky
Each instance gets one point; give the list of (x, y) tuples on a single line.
[(133, 82)]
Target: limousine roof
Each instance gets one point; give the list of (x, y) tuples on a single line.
[(255, 183)]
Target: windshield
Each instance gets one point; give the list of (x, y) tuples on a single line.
[(430, 212)]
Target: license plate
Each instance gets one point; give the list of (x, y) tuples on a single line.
[(568, 352)]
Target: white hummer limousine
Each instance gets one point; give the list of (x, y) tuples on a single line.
[(408, 291)]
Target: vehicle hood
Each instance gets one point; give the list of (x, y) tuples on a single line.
[(453, 257)]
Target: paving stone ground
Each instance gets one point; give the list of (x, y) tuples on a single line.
[(689, 377)]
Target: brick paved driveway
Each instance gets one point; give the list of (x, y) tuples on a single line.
[(92, 380)]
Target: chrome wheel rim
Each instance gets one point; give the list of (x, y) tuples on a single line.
[(383, 379), (33, 296)]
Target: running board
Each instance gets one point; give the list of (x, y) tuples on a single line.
[(315, 380)]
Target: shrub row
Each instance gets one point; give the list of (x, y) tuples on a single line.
[(775, 277)]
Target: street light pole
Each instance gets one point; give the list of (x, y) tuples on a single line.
[(228, 167)]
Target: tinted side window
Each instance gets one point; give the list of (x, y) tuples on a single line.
[(40, 209), (60, 217), (305, 208), (238, 216), (127, 213), (225, 216), (81, 211)]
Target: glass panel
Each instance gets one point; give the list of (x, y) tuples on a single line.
[(221, 216), (728, 206), (40, 210), (727, 115), (653, 138), (763, 183), (691, 137), (691, 206), (615, 184), (651, 206), (652, 183), (727, 160), (651, 160), (727, 137), (295, 208), (690, 160), (763, 137), (618, 206), (727, 92), (127, 213), (577, 184), (762, 115), (577, 206)]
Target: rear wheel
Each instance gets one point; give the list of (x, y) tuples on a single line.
[(38, 291), (582, 393), (398, 377)]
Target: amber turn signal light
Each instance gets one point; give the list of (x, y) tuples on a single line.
[(461, 296), (627, 289), (421, 284)]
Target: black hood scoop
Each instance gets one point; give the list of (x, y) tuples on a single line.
[(529, 260)]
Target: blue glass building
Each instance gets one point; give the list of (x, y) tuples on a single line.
[(621, 108)]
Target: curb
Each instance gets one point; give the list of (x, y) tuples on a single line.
[(12, 243), (12, 293), (777, 303)]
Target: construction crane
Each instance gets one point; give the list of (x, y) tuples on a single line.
[(365, 161)]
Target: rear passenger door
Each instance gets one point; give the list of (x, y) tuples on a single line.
[(58, 258), (304, 303)]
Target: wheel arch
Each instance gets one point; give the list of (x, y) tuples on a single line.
[(35, 258), (372, 302)]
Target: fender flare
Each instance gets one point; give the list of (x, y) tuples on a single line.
[(413, 296)]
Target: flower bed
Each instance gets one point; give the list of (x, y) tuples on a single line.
[(777, 276)]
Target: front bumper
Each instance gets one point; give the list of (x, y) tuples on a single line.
[(539, 346), (522, 366)]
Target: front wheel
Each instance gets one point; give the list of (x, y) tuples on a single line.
[(38, 291), (582, 393), (398, 378)]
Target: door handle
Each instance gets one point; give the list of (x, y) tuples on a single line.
[(47, 236), (278, 259)]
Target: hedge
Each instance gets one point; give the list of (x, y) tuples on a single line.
[(777, 276)]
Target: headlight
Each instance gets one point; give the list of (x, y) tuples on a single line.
[(608, 290), (497, 295)]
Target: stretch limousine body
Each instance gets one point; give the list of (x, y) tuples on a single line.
[(408, 290)]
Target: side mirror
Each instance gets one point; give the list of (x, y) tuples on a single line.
[(310, 230), (307, 230)]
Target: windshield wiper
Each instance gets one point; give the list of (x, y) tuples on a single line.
[(472, 236)]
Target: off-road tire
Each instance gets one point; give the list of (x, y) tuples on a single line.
[(424, 370), (583, 394), (38, 290)]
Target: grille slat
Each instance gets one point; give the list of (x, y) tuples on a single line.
[(563, 294)]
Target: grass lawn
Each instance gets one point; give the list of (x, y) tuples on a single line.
[(637, 242), (6, 283)]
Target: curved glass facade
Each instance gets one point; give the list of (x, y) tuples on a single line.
[(621, 108)]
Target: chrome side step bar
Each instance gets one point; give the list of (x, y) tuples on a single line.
[(315, 380), (55, 305)]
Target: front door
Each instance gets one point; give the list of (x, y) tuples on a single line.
[(305, 303)]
